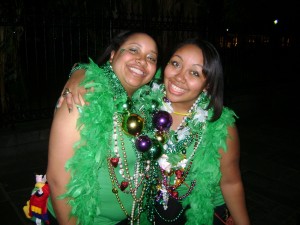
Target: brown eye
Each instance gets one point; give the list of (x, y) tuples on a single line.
[(151, 59), (133, 50), (195, 73), (175, 64)]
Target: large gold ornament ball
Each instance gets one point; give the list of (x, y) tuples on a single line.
[(133, 124)]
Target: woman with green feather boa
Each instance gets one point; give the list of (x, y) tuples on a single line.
[(94, 175), (197, 178)]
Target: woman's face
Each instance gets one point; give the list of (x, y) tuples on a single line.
[(183, 76), (135, 61)]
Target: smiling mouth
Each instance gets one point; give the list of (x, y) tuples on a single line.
[(137, 71), (176, 90)]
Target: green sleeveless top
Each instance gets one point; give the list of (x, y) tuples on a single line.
[(89, 191), (201, 188)]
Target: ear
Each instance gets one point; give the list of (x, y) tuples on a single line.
[(112, 54), (206, 87)]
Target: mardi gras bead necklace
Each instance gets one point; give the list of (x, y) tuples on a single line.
[(167, 104), (174, 163), (129, 126), (148, 149)]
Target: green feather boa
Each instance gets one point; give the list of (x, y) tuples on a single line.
[(96, 125), (206, 170), (206, 163)]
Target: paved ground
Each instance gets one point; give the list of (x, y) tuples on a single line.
[(270, 141)]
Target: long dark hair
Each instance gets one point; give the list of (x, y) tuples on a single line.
[(212, 70)]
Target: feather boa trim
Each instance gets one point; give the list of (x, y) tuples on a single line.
[(206, 170), (90, 153)]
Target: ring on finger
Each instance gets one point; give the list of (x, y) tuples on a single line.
[(66, 92)]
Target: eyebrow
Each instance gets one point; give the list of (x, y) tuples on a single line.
[(193, 64), (198, 65), (179, 57), (134, 43)]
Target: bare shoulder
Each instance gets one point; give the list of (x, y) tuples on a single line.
[(233, 146), (64, 132), (229, 162)]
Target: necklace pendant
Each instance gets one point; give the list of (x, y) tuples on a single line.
[(114, 162), (174, 194), (179, 174), (124, 185)]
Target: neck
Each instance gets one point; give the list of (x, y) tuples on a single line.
[(177, 120), (130, 91), (181, 113), (181, 109)]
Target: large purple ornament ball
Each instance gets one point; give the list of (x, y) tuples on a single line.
[(143, 143), (162, 120)]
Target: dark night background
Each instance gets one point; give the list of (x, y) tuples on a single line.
[(41, 40)]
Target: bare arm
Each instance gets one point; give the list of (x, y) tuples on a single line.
[(231, 182), (76, 91), (62, 137)]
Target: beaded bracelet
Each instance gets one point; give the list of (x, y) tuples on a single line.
[(77, 67)]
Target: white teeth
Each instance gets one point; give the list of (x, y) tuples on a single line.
[(178, 89), (137, 71)]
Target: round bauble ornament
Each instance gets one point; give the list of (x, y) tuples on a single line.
[(162, 120), (155, 151), (161, 136), (133, 124), (143, 143)]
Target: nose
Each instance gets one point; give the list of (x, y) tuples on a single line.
[(180, 76), (140, 60)]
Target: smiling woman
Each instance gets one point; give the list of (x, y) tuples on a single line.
[(184, 81), (200, 180), (135, 62), (197, 179), (94, 143)]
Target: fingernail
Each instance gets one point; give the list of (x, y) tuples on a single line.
[(79, 109), (57, 106)]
